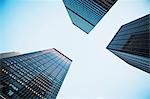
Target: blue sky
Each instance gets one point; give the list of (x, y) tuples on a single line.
[(95, 73)]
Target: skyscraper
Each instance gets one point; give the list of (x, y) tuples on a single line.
[(132, 43), (85, 14), (37, 75)]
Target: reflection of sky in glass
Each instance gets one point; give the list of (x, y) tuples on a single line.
[(79, 22), (30, 25), (86, 11), (86, 14)]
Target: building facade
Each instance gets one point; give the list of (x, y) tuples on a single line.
[(85, 14), (37, 75), (132, 43)]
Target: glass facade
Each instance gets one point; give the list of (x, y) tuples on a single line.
[(85, 14), (132, 43), (37, 75)]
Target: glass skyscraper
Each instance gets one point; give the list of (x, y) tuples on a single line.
[(132, 43), (37, 75), (85, 14)]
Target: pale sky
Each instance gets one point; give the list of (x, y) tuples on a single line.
[(95, 73)]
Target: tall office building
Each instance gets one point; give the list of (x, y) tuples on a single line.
[(132, 43), (37, 75), (85, 14)]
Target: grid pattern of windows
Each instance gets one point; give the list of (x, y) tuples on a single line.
[(107, 4), (85, 14), (137, 61), (133, 38), (37, 75)]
